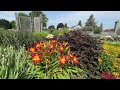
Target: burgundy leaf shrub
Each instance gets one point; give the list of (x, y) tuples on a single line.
[(87, 49)]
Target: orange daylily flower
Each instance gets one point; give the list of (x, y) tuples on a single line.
[(99, 59), (53, 41), (62, 60), (36, 58), (70, 55), (47, 52), (61, 48), (51, 46), (31, 50), (74, 60), (38, 45)]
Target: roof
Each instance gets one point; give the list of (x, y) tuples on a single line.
[(76, 27)]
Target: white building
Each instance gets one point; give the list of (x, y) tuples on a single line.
[(77, 27)]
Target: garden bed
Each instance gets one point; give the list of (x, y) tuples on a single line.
[(73, 55)]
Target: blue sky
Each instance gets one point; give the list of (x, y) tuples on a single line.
[(72, 18)]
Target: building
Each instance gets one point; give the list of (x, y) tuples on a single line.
[(77, 27)]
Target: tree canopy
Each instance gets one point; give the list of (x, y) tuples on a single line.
[(80, 23), (60, 25), (5, 24), (51, 27), (37, 14)]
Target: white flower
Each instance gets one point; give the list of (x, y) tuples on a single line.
[(49, 36), (4, 49), (3, 55)]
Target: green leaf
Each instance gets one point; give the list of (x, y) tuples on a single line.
[(66, 74)]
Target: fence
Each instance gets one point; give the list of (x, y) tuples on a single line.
[(29, 24)]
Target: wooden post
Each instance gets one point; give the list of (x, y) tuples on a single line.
[(41, 23), (16, 15)]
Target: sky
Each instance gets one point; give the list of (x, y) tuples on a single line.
[(72, 18)]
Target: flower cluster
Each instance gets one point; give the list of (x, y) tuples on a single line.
[(49, 36), (51, 50), (110, 60), (106, 75)]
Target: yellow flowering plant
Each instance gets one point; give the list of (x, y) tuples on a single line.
[(109, 60)]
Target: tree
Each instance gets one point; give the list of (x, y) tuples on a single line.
[(5, 24), (91, 21), (60, 25), (22, 14), (13, 23), (91, 24), (65, 26), (37, 14), (51, 27), (97, 30), (80, 23), (101, 27)]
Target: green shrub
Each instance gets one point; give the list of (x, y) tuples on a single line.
[(116, 38), (14, 64), (60, 32), (87, 49), (51, 31), (41, 34), (97, 30), (1, 29), (88, 28)]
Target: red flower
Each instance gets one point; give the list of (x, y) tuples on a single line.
[(74, 60), (53, 41), (70, 55), (61, 48), (106, 75), (38, 45), (31, 50), (36, 58), (51, 46), (47, 52), (63, 60)]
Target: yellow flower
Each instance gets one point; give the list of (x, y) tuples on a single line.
[(118, 59), (99, 59), (115, 64), (115, 74)]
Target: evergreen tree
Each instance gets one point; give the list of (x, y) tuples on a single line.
[(101, 27), (65, 25), (80, 23), (90, 24)]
